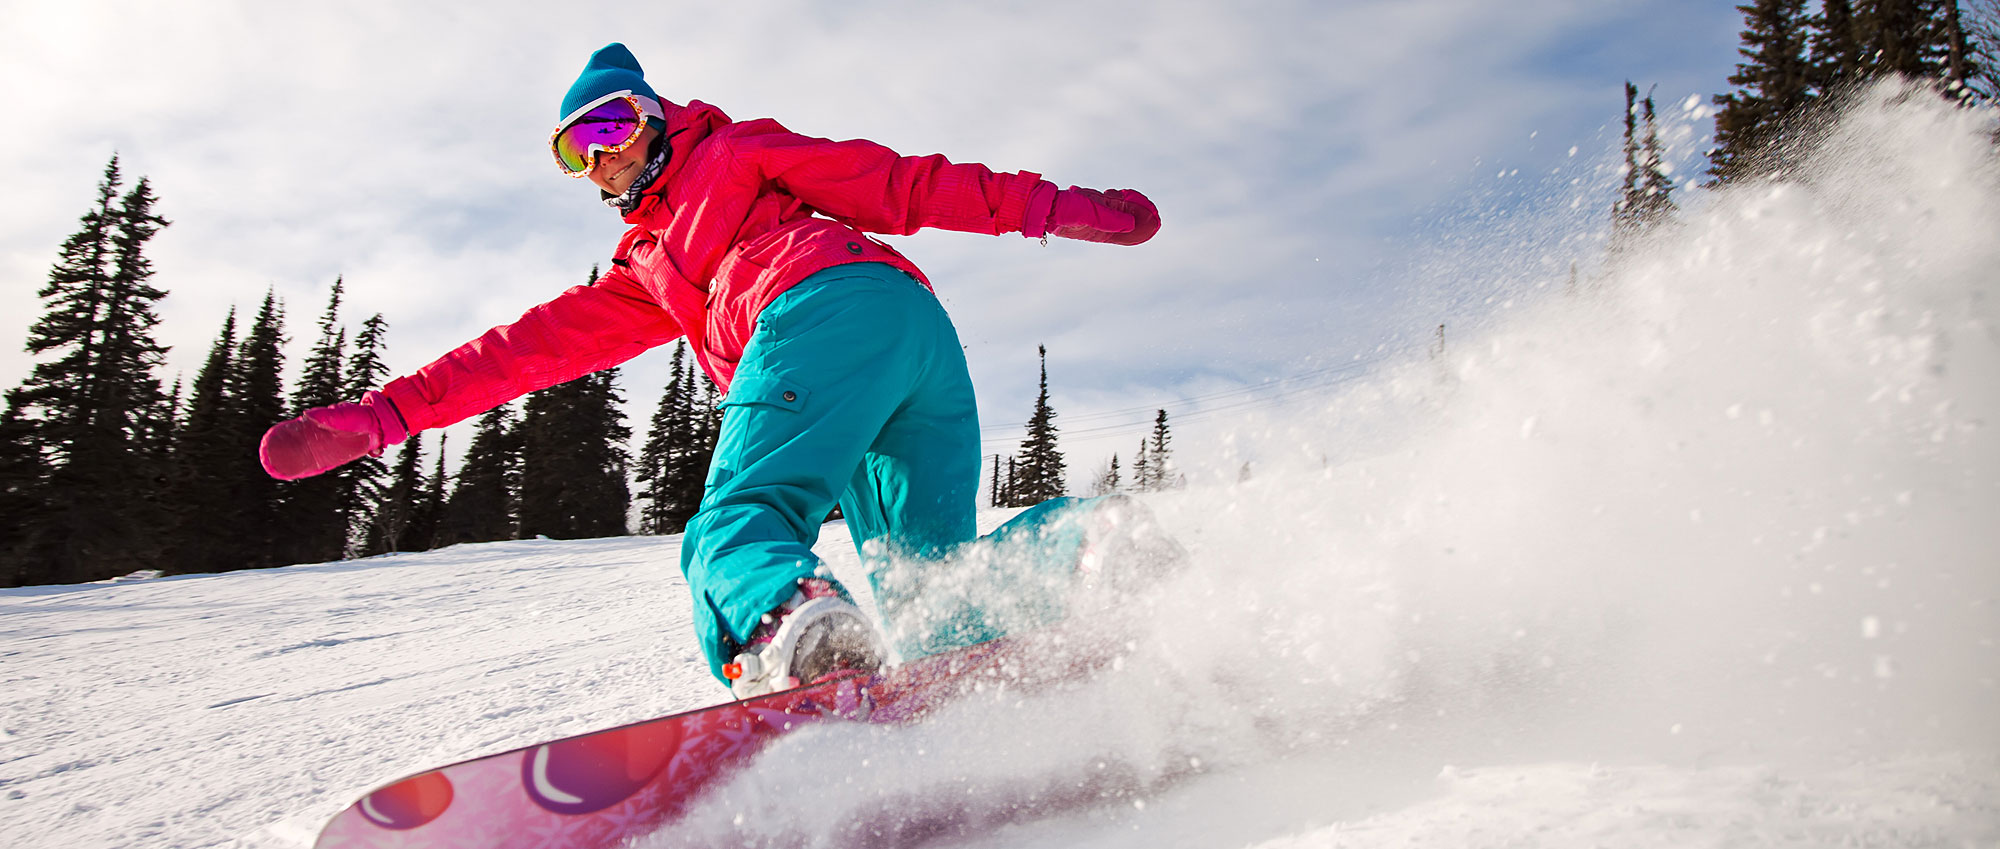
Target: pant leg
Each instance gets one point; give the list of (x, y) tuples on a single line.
[(832, 362), (912, 501)]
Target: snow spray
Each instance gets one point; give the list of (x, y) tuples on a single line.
[(1732, 495)]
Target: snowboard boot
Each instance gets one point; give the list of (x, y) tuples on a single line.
[(808, 638)]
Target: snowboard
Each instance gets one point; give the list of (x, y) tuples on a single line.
[(603, 788)]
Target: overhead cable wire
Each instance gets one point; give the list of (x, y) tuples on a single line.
[(1316, 382)]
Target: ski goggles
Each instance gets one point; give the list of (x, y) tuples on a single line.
[(608, 124)]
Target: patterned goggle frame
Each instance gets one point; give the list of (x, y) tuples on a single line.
[(608, 124)]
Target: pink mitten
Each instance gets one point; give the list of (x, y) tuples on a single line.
[(1118, 216), (325, 437)]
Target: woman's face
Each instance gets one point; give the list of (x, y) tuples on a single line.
[(615, 172)]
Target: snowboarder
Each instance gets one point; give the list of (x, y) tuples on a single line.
[(844, 378)]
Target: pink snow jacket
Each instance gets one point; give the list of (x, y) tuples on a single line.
[(742, 212)]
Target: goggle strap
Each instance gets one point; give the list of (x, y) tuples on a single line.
[(648, 107)]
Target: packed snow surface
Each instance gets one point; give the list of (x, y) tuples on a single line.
[(1706, 553)]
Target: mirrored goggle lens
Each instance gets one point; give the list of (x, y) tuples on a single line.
[(603, 128)]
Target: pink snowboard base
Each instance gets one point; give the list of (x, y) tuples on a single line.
[(600, 789)]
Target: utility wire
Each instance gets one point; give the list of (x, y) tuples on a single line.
[(1213, 396), (1316, 381)]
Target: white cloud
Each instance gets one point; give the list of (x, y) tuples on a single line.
[(1290, 145)]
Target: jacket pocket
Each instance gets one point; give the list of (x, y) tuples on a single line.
[(766, 391)]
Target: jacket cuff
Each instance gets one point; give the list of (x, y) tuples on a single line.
[(405, 407), (1041, 202)]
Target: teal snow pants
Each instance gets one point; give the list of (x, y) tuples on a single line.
[(852, 390)]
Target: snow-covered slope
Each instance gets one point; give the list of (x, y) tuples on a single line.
[(1705, 556)]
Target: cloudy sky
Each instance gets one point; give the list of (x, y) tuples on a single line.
[(1321, 167)]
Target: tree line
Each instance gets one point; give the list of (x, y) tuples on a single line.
[(1037, 471), (105, 471), (1800, 63)]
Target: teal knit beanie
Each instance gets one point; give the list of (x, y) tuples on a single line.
[(611, 68)]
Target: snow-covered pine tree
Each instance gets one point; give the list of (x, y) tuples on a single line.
[(1040, 475)]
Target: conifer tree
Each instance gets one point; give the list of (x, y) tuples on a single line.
[(256, 401), (706, 421), (149, 410), (58, 392), (205, 519), (1160, 474), (1040, 474), (1836, 62), (93, 415), (1961, 72), (651, 468), (483, 503), (573, 460), (365, 477), (1647, 199), (1107, 480), (1624, 220), (996, 500), (427, 508), (1142, 468), (1897, 36), (22, 473), (606, 459), (1656, 188), (1756, 126), (319, 511), (365, 368), (1981, 28), (397, 502), (673, 464), (320, 380)]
